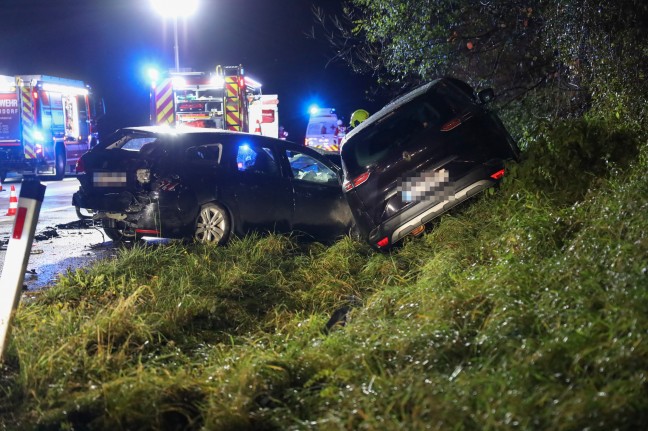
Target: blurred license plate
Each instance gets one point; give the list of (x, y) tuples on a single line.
[(427, 185), (109, 179)]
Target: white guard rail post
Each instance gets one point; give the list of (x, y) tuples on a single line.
[(17, 256)]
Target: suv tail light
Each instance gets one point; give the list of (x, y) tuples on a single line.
[(455, 122), (451, 124), (357, 181), (383, 242), (498, 175)]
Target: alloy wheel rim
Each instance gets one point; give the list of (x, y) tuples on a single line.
[(210, 226)]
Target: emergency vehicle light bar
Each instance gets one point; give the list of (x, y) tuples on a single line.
[(77, 91), (251, 82)]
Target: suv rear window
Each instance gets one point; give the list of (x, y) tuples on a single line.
[(427, 112)]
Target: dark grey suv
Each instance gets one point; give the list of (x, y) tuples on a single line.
[(421, 155)]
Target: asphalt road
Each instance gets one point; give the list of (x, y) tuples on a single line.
[(60, 242)]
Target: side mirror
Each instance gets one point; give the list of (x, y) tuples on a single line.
[(486, 95)]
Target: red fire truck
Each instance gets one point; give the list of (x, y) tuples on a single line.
[(223, 99), (46, 124)]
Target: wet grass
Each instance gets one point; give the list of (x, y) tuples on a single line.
[(525, 310)]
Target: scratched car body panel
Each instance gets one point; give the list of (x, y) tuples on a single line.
[(421, 155), (150, 181)]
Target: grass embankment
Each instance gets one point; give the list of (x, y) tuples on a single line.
[(526, 310)]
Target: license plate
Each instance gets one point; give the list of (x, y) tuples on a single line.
[(109, 179), (426, 185)]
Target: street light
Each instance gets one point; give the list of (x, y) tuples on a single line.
[(175, 9)]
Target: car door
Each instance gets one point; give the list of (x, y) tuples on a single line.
[(320, 208), (203, 175), (262, 195)]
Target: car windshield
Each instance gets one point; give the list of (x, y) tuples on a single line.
[(394, 130)]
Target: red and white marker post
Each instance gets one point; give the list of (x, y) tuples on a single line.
[(32, 193)]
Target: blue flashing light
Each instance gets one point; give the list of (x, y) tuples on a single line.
[(153, 75), (245, 157), (313, 110)]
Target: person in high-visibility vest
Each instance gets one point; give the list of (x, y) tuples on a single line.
[(358, 117)]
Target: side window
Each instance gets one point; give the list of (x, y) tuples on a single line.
[(256, 159), (134, 143), (205, 154), (307, 168)]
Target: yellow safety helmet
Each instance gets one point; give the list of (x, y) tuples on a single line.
[(358, 117)]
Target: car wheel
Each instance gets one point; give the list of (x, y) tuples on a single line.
[(213, 225), (60, 164), (120, 235), (3, 176)]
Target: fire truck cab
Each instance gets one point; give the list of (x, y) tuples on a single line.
[(46, 124), (223, 99)]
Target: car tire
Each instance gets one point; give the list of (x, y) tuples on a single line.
[(120, 235), (3, 176), (60, 164), (213, 224)]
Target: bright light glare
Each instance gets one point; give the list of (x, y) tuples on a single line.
[(218, 81), (179, 82), (153, 74), (65, 89), (175, 8), (252, 82), (7, 83), (313, 110)]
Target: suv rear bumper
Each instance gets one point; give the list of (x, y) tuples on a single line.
[(404, 222)]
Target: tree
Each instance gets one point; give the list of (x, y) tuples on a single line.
[(572, 49)]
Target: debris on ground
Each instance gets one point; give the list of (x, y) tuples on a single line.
[(80, 224), (48, 233), (340, 316)]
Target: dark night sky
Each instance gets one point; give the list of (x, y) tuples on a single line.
[(110, 44)]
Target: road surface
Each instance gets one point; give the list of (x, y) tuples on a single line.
[(55, 248)]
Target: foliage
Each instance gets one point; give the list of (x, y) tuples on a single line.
[(580, 54), (527, 309)]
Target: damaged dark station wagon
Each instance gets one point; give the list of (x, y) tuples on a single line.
[(420, 156), (208, 185)]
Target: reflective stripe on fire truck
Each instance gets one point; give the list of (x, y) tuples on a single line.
[(232, 104), (28, 121), (164, 103)]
